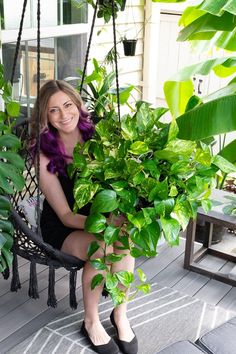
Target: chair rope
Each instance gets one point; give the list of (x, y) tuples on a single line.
[(88, 47), (38, 124), (116, 61), (18, 41)]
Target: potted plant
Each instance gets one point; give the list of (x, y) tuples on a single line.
[(129, 46), (11, 168), (99, 93), (137, 167), (105, 8)]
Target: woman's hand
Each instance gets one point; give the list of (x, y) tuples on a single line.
[(117, 221)]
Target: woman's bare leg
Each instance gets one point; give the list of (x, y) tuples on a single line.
[(120, 316), (77, 244)]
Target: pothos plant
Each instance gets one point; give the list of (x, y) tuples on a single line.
[(11, 168), (105, 8), (138, 167)]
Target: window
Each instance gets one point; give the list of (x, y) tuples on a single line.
[(53, 13), (63, 46)]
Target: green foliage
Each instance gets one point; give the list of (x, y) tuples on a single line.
[(139, 169), (211, 117), (105, 8), (230, 207), (99, 92), (11, 167)]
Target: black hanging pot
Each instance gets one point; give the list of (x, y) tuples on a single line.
[(129, 46)]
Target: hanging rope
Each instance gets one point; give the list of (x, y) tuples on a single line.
[(18, 41), (116, 61), (88, 47), (38, 121)]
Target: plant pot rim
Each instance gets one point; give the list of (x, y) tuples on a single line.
[(129, 40)]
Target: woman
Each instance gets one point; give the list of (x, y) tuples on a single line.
[(64, 122)]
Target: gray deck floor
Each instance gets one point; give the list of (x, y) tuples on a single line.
[(21, 316)]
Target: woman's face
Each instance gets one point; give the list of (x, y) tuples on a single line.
[(62, 112)]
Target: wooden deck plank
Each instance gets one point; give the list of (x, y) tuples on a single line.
[(213, 291), (228, 302), (11, 300), (166, 256), (31, 308), (227, 267), (172, 274), (24, 277), (191, 283), (212, 262)]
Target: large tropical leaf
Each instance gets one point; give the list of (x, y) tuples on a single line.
[(226, 40), (205, 27), (218, 7), (212, 118), (190, 14), (179, 88), (230, 89), (177, 95), (228, 152), (9, 141)]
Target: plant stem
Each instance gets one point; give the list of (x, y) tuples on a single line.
[(223, 181)]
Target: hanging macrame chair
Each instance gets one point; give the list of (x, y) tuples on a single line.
[(28, 242)]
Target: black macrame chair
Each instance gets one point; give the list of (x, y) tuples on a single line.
[(28, 243)]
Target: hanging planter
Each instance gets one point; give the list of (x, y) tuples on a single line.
[(105, 8), (129, 46)]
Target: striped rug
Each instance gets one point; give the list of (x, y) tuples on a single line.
[(159, 318)]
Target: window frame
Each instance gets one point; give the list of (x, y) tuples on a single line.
[(57, 31)]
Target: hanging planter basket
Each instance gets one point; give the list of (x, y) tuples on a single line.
[(129, 46)]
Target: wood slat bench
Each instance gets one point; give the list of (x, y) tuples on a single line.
[(192, 259)]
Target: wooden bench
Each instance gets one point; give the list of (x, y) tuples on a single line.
[(192, 259)]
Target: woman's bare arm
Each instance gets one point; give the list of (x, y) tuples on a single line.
[(53, 192)]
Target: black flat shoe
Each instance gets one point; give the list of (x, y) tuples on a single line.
[(126, 347), (109, 348)]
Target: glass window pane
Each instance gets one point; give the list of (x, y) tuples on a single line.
[(59, 58), (52, 11), (70, 55), (48, 13), (11, 14), (72, 12)]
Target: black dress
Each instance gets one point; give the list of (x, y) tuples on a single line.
[(53, 230)]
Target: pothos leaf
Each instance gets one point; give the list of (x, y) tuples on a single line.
[(105, 201), (95, 223), (96, 281)]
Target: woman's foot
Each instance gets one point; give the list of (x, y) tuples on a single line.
[(123, 326), (101, 342), (127, 340), (97, 332)]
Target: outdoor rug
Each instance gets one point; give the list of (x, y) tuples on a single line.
[(159, 318)]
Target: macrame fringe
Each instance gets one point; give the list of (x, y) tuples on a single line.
[(52, 301), (33, 281), (6, 273), (15, 281), (73, 278)]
